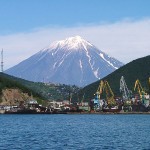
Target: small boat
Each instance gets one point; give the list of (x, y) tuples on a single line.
[(111, 109)]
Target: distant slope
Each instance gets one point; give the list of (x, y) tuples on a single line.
[(7, 81), (73, 61), (37, 89), (137, 69)]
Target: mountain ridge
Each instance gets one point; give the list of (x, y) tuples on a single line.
[(73, 61)]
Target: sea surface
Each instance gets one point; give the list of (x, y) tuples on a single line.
[(75, 132)]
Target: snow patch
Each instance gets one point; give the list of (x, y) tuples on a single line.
[(96, 73), (61, 62), (84, 46), (81, 67), (102, 56), (89, 59), (54, 65), (80, 62), (42, 56)]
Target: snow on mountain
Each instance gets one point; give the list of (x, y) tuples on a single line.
[(70, 61)]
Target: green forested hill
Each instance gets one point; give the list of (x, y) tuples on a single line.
[(7, 81), (37, 89), (137, 69)]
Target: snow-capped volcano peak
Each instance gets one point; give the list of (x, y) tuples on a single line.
[(75, 43), (71, 61)]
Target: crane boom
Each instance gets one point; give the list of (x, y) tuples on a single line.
[(109, 94), (139, 88), (99, 90), (126, 94)]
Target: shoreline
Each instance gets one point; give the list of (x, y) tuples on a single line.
[(109, 113), (79, 113)]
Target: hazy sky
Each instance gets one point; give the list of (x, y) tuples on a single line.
[(120, 28)]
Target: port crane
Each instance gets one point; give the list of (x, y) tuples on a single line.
[(104, 87), (144, 97), (109, 94), (140, 90), (126, 93), (100, 89), (97, 103)]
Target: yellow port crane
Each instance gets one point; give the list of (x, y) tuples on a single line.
[(139, 88), (96, 100), (104, 87), (109, 94), (100, 89)]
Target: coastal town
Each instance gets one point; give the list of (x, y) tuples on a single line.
[(128, 103)]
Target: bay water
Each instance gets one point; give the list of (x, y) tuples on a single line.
[(75, 132)]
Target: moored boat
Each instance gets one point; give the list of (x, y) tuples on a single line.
[(111, 109)]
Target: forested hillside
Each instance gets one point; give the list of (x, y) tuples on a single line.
[(44, 91), (137, 69)]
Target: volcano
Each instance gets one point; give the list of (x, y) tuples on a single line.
[(72, 61)]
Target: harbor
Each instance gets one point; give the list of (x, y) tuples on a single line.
[(104, 102)]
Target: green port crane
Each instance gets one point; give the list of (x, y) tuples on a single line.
[(126, 93)]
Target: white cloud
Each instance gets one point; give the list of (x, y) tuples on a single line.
[(124, 40)]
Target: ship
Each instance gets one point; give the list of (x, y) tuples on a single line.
[(111, 109)]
